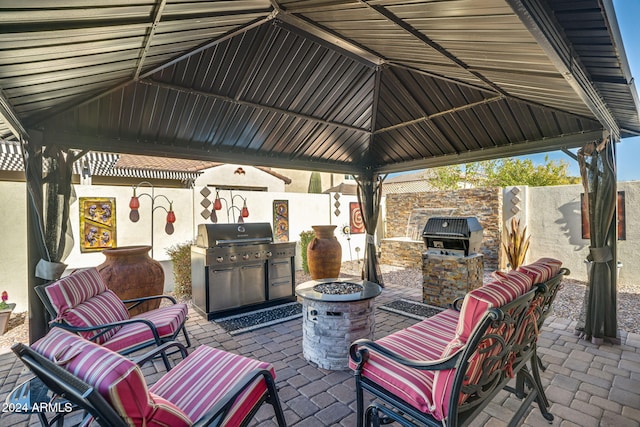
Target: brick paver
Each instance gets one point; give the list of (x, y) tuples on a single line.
[(587, 385)]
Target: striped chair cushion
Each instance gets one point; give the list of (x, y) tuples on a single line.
[(71, 290), (198, 382), (82, 299), (98, 310), (478, 301), (541, 270), (524, 282), (427, 340), (117, 379), (168, 321)]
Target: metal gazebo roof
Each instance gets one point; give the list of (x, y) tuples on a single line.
[(333, 85)]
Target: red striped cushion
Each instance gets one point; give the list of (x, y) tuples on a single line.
[(166, 414), (71, 290), (478, 301), (475, 305), (426, 340), (117, 379), (98, 310), (541, 270), (197, 383), (521, 280), (168, 321)]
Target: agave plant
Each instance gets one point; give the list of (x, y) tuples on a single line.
[(516, 243)]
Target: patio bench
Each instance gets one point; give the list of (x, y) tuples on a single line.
[(445, 369)]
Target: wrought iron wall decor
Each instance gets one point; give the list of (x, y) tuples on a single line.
[(230, 207), (281, 220), (97, 223)]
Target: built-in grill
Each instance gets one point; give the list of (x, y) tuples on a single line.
[(234, 266), (453, 236)]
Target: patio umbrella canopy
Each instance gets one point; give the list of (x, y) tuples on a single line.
[(597, 167)]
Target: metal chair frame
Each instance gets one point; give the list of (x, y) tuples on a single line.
[(86, 397), (104, 328), (506, 332)]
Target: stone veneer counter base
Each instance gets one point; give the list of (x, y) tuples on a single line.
[(331, 322), (446, 278)]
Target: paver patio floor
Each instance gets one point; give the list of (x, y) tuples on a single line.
[(587, 385)]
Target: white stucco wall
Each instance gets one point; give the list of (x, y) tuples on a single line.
[(13, 250), (552, 214), (556, 229), (305, 210), (224, 175)]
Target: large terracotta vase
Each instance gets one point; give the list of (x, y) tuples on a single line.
[(130, 272), (324, 253)]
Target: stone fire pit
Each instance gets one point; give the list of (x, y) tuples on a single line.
[(335, 313)]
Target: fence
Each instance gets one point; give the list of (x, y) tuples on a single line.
[(552, 214)]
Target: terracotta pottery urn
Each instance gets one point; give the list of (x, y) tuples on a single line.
[(324, 253), (130, 272)]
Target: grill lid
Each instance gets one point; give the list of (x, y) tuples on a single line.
[(210, 235), (461, 227), (458, 236)]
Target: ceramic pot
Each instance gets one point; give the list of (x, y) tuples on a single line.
[(5, 314), (324, 253), (130, 272)]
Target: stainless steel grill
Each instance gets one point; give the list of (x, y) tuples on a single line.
[(453, 236), (234, 266)]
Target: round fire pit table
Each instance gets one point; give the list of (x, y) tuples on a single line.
[(335, 313)]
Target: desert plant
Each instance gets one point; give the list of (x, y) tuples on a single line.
[(181, 259), (516, 243), (305, 238), (315, 183)]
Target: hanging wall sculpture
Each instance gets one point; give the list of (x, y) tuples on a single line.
[(281, 220), (97, 223)]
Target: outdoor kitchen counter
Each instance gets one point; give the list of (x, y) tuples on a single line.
[(332, 321)]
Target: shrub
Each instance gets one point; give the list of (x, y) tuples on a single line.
[(181, 259), (305, 238)]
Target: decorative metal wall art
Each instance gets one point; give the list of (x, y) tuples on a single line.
[(355, 218), (281, 220), (97, 223)]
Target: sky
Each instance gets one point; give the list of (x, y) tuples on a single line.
[(628, 150)]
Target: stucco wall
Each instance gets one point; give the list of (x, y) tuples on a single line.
[(556, 228), (13, 250), (224, 175), (305, 210), (552, 215)]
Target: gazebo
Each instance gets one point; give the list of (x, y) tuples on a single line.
[(363, 87)]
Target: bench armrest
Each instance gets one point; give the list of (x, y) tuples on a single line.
[(137, 301), (359, 353)]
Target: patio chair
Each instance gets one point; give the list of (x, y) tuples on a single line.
[(209, 387), (82, 303)]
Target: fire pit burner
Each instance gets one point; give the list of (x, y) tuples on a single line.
[(338, 288)]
